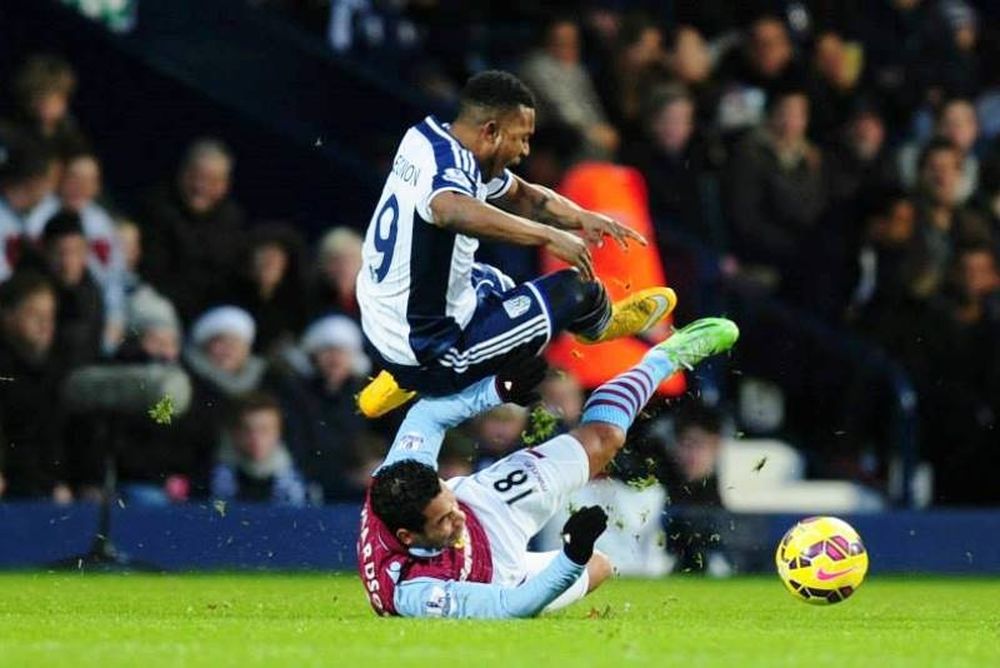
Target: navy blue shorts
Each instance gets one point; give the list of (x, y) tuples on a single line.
[(508, 319)]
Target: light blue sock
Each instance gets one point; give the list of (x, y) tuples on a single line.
[(422, 432), (619, 400)]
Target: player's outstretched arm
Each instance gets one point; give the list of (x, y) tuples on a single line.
[(429, 597), (467, 215), (545, 205)]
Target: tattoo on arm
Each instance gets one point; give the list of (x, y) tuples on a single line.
[(538, 211)]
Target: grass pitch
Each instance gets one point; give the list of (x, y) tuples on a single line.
[(323, 620)]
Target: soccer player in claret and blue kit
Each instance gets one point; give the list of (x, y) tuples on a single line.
[(458, 548), (436, 320)]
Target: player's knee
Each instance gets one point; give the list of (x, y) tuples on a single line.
[(568, 291), (570, 296), (599, 569)]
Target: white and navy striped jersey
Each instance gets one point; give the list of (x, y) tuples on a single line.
[(415, 286)]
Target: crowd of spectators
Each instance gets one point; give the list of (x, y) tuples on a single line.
[(266, 332), (842, 157)]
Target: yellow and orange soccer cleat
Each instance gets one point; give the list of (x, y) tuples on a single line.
[(636, 313)]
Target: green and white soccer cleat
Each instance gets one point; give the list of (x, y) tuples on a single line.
[(700, 339)]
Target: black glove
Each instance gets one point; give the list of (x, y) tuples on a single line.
[(581, 531), (519, 378)]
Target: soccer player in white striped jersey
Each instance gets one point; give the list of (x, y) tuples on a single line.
[(437, 320)]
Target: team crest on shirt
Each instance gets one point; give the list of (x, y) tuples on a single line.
[(411, 441), (438, 603), (458, 177), (517, 306)]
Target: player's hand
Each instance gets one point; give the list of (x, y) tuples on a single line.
[(581, 531), (596, 226), (518, 380), (573, 250)]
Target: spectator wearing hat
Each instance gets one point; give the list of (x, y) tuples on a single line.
[(253, 464), (153, 328), (78, 190), (154, 461), (323, 425), (218, 357), (333, 286), (27, 169), (192, 228), (31, 451)]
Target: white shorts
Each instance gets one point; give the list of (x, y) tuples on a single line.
[(515, 497)]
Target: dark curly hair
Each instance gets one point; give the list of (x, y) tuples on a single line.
[(401, 491), (494, 90)]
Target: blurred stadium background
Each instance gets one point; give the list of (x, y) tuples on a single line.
[(182, 184)]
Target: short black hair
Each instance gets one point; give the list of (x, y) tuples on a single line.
[(21, 286), (495, 90), (63, 223), (401, 491)]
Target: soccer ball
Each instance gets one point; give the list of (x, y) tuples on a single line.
[(821, 560)]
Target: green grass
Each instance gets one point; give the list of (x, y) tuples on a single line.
[(323, 620)]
